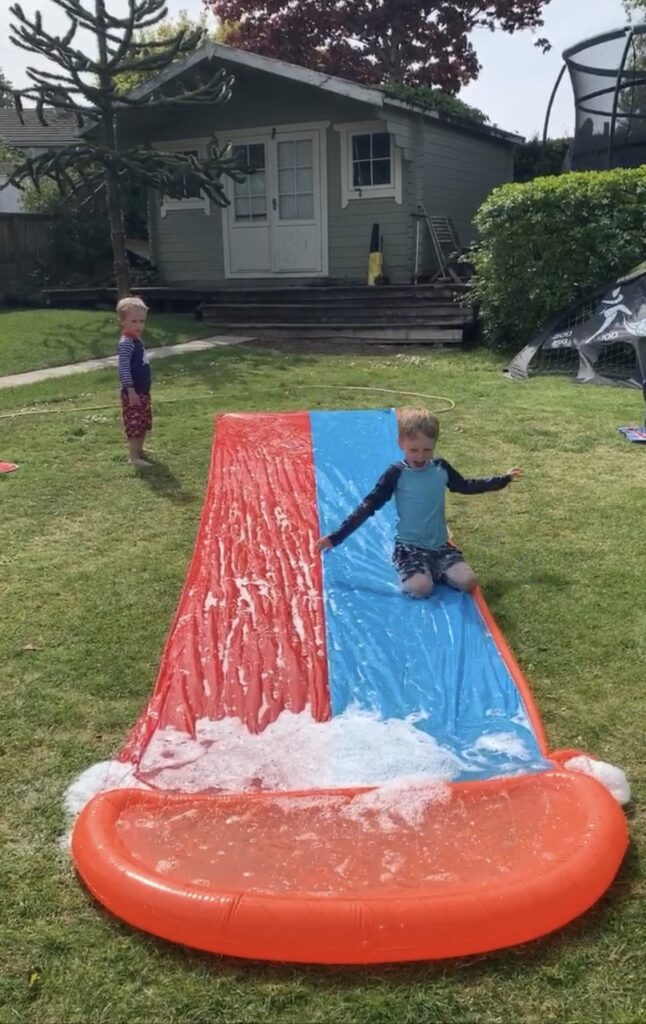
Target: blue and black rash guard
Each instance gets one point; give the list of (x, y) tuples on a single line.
[(419, 497), (134, 369)]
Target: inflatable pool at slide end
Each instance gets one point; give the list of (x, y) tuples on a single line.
[(410, 809)]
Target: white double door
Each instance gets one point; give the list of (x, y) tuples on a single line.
[(274, 223)]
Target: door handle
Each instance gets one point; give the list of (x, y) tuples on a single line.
[(274, 204)]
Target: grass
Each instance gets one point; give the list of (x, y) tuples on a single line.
[(31, 339), (93, 557)]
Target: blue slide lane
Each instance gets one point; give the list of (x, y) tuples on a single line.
[(430, 661)]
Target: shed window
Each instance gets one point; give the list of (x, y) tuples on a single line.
[(250, 195), (371, 162), (188, 189), (190, 196)]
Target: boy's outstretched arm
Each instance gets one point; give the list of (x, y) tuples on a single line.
[(478, 485), (379, 495)]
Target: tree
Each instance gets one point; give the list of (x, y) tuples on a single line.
[(376, 41), (5, 91), (531, 162), (83, 82), (78, 247), (634, 7), (164, 32)]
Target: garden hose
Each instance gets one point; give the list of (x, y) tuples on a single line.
[(450, 404)]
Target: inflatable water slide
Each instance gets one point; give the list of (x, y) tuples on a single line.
[(328, 771)]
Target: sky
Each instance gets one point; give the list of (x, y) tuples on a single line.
[(514, 85)]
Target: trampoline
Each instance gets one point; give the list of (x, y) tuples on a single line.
[(608, 76)]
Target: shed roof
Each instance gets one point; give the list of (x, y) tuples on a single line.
[(375, 96)]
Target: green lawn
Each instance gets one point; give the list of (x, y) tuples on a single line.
[(93, 558), (34, 338)]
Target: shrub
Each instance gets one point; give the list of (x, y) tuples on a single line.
[(436, 99), (531, 162), (80, 250), (79, 237), (546, 243)]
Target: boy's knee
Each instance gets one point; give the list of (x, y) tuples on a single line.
[(418, 585)]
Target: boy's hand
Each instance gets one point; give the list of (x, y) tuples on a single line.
[(133, 397), (324, 544), (515, 473)]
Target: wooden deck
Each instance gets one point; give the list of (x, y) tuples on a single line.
[(435, 314)]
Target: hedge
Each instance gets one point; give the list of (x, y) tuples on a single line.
[(548, 242)]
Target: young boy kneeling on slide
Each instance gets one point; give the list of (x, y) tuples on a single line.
[(423, 555)]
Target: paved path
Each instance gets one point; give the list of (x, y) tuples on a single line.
[(36, 376)]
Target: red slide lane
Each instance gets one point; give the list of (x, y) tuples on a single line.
[(236, 647)]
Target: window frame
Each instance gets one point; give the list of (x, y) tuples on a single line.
[(350, 191), (251, 220), (172, 203)]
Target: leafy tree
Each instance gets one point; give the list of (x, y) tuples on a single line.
[(530, 161), (79, 236), (81, 82), (376, 41), (5, 91), (166, 31), (7, 157)]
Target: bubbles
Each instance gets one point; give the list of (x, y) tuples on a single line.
[(609, 775), (296, 752)]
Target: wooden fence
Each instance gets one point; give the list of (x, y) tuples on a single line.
[(24, 237), (24, 247)]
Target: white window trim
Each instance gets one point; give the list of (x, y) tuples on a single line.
[(237, 134), (348, 190), (201, 202)]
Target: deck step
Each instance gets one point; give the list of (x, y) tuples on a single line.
[(382, 334), (337, 294), (437, 313), (334, 316)]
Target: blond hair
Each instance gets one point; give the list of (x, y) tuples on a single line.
[(411, 420), (129, 304)]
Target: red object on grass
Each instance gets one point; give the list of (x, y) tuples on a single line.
[(7, 467)]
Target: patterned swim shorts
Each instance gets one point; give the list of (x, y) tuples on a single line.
[(137, 419), (410, 560)]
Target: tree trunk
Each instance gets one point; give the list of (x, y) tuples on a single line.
[(108, 124), (118, 236)]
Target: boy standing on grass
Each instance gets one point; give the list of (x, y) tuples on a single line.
[(423, 555), (134, 377)]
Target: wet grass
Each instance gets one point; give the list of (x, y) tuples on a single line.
[(92, 559), (31, 339)]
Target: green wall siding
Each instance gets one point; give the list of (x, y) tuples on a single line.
[(450, 172), (350, 227), (460, 170)]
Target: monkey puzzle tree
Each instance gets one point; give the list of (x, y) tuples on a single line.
[(166, 30), (87, 85)]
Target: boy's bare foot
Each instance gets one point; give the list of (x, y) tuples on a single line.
[(140, 463)]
